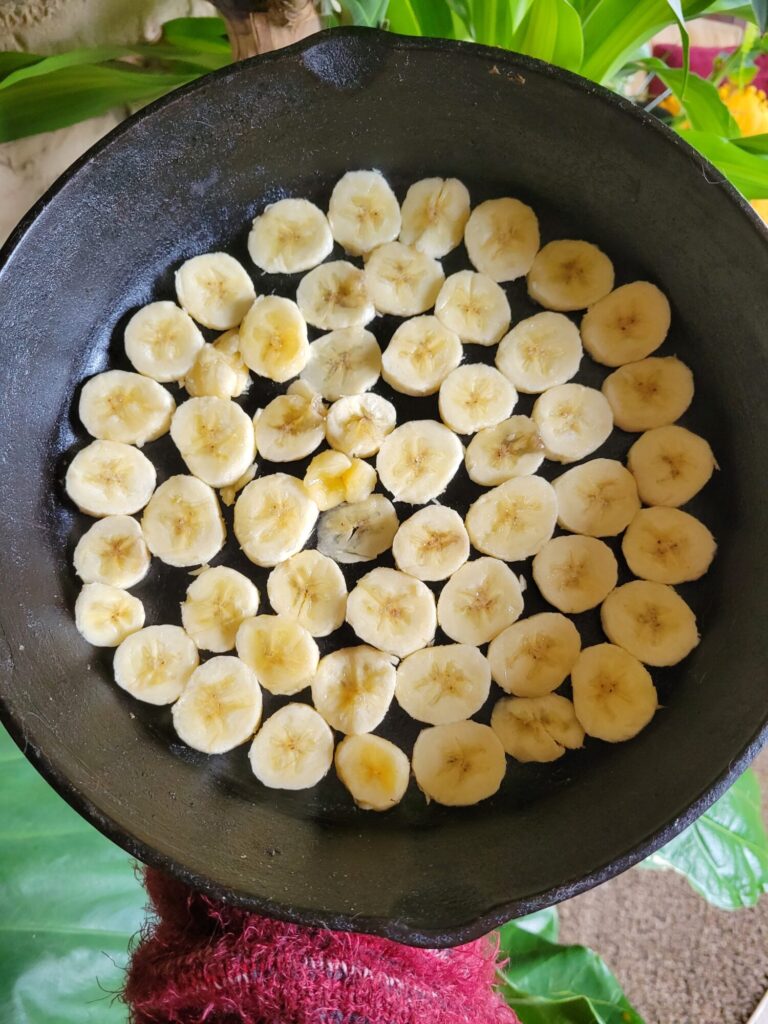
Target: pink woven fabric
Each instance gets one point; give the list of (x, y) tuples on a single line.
[(202, 962)]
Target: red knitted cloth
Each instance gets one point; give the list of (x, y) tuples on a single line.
[(202, 962)]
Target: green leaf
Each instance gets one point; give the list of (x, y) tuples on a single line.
[(699, 98), (676, 8), (541, 922), (71, 59), (12, 60), (752, 143), (368, 13), (198, 34), (747, 171), (70, 904), (419, 18), (760, 8), (724, 854), (551, 30)]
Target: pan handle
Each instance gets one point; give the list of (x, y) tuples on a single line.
[(256, 26)]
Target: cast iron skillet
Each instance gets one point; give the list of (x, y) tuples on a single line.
[(185, 176)]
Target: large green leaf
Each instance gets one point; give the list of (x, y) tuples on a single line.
[(747, 171), (417, 18), (12, 60), (760, 8), (551, 30), (197, 34), (700, 99), (753, 143)]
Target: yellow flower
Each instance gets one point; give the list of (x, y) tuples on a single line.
[(760, 206), (748, 107)]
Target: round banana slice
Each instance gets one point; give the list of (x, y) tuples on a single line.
[(392, 611), (155, 664), (274, 517), (651, 621), (540, 352), (434, 213), (182, 523), (478, 601), (219, 370), (667, 545), (568, 275), (220, 707), (514, 520), (573, 421), (358, 532), (534, 656), (293, 749), (106, 615), (353, 688), (217, 601), (474, 307), (215, 439), (537, 728), (375, 771), (280, 651), (332, 478), (652, 393), (431, 544), (273, 338), (110, 478), (344, 362), (418, 460), (215, 290), (290, 236), (613, 694), (420, 355), (358, 424), (162, 341), (290, 427), (627, 324), (575, 573), (120, 406), (402, 281), (497, 454), (334, 296), (502, 238), (458, 765), (440, 685), (113, 552), (598, 498), (310, 588), (363, 212), (474, 397), (670, 465)]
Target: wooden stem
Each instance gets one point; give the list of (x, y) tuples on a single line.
[(262, 25)]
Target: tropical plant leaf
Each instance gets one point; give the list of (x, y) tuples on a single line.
[(541, 922), (197, 34), (700, 99), (760, 8), (746, 170), (416, 18), (12, 60), (368, 13), (753, 143), (551, 30)]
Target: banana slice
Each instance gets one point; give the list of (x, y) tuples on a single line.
[(568, 275), (502, 238), (652, 393), (363, 212), (333, 478), (458, 765), (334, 296), (113, 552), (215, 290), (155, 664), (344, 362), (627, 324), (474, 307), (441, 685), (229, 494), (106, 615), (534, 656), (478, 601), (219, 370), (293, 749), (162, 341), (651, 621), (290, 236), (217, 601), (402, 281), (375, 771), (182, 523), (358, 532), (273, 338), (573, 421), (432, 544), (420, 355), (575, 573), (120, 406), (598, 498), (475, 396), (280, 651), (289, 427), (110, 478), (434, 213), (392, 611), (514, 520), (613, 694), (220, 707), (274, 517), (418, 460), (310, 588), (353, 688), (540, 352), (358, 424), (497, 454), (667, 545), (215, 439), (670, 465), (537, 728)]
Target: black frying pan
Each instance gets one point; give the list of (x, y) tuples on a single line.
[(185, 176)]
